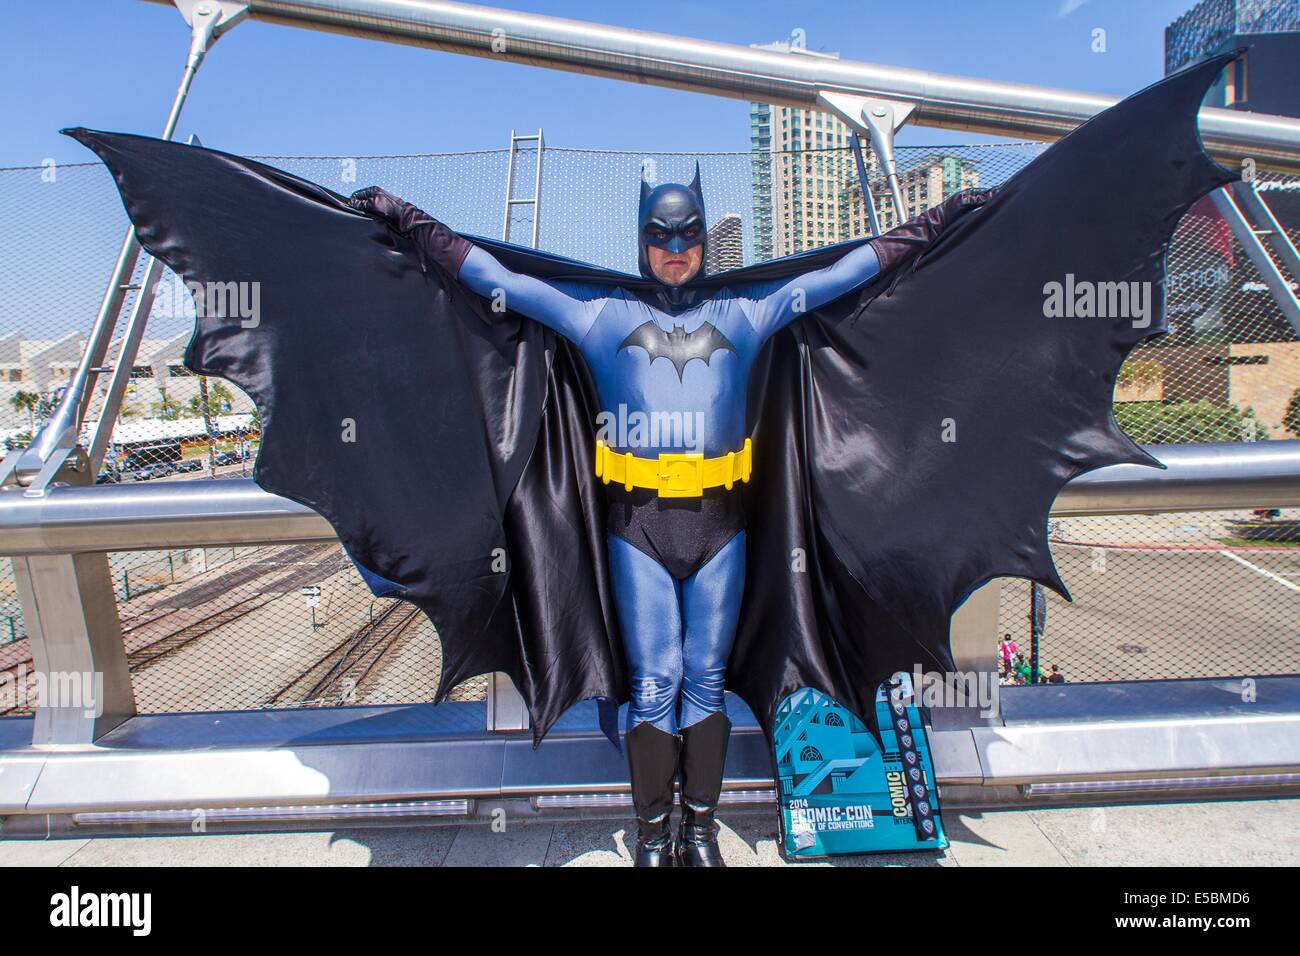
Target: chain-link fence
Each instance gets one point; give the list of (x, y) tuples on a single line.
[(256, 627), (213, 629), (1156, 597)]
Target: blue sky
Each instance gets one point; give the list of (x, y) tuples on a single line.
[(114, 64), (281, 91)]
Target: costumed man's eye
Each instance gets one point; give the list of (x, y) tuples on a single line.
[(659, 234), (692, 232)]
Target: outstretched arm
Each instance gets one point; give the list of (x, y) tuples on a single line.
[(563, 309), (772, 306)]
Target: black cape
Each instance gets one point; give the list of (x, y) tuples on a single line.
[(469, 485)]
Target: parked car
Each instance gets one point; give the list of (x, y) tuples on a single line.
[(229, 458), (190, 464), (161, 470)]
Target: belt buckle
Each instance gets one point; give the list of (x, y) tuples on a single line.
[(681, 475)]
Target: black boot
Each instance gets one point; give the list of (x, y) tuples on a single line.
[(652, 760), (704, 752)]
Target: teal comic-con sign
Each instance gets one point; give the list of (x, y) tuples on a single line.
[(839, 793)]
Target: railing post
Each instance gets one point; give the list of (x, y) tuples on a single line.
[(505, 705), (1234, 202), (77, 649), (974, 637)]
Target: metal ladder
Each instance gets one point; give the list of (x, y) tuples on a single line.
[(506, 709), (535, 200), (1266, 243)]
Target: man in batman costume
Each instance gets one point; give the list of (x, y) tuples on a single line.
[(885, 422), (675, 362)]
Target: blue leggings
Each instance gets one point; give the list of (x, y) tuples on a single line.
[(677, 634)]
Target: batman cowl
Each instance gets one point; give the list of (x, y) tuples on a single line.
[(671, 217)]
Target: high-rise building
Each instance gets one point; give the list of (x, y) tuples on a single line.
[(760, 147), (800, 157), (1267, 78), (1231, 343), (926, 183), (726, 248), (805, 180)]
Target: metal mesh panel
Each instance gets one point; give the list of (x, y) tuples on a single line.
[(1229, 371), (1158, 597), (233, 629)]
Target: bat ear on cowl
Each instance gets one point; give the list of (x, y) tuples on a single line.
[(695, 185)]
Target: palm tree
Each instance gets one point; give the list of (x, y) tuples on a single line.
[(204, 402), (212, 398), (220, 396), (28, 402), (168, 409)]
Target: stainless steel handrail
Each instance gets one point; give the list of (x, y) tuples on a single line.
[(191, 513), (742, 72)]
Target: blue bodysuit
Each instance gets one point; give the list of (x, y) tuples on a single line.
[(677, 613)]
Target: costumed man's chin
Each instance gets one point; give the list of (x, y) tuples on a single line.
[(675, 269)]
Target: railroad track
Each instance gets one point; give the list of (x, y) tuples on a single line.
[(165, 647), (349, 668), (223, 592), (219, 587)]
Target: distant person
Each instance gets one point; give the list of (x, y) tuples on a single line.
[(1056, 677), (1008, 646), (1021, 669)]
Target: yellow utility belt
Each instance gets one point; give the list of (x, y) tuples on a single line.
[(674, 475)]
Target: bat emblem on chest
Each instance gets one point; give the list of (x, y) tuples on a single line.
[(678, 346)]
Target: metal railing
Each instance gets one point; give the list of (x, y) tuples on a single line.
[(182, 514), (741, 72)]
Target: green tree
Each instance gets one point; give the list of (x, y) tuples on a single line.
[(1160, 423), (26, 402), (1291, 420), (168, 409), (217, 395), (1140, 372), (220, 396)]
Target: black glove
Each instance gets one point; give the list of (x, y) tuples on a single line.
[(900, 246), (435, 242)]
